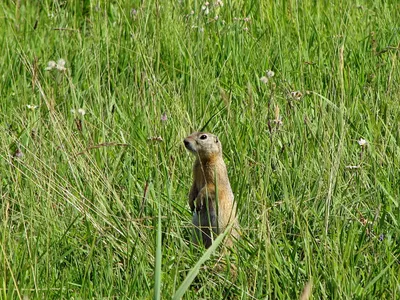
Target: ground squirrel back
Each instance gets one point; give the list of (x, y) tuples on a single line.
[(210, 199)]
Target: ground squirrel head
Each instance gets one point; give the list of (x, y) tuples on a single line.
[(204, 145)]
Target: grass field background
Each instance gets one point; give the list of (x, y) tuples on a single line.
[(95, 165)]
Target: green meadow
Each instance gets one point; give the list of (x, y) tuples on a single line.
[(97, 97)]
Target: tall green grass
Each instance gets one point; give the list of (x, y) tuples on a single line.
[(86, 199)]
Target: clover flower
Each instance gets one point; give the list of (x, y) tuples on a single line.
[(79, 111), (51, 65), (362, 142), (270, 73), (31, 106), (59, 65)]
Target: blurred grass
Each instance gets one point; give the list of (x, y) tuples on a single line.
[(80, 194)]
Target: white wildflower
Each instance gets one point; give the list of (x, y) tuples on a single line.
[(81, 111), (353, 167), (61, 65), (219, 3), (264, 79), (270, 74), (205, 8), (31, 106), (51, 65), (362, 142)]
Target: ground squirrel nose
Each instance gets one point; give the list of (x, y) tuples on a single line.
[(189, 145)]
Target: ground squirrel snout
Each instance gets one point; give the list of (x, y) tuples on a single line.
[(210, 199), (204, 145)]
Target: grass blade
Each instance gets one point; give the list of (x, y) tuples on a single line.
[(157, 273), (195, 270)]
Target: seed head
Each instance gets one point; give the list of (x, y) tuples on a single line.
[(18, 153), (296, 95)]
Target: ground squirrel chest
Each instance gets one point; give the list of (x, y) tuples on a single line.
[(210, 198)]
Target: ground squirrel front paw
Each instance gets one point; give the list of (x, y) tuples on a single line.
[(204, 198), (199, 203)]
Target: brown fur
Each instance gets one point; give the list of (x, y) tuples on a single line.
[(210, 175)]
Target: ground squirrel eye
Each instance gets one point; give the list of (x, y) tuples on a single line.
[(203, 137)]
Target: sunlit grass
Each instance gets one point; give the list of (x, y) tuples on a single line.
[(91, 155)]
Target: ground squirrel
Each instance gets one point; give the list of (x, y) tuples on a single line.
[(210, 199)]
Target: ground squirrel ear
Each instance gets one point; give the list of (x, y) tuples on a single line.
[(216, 139)]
